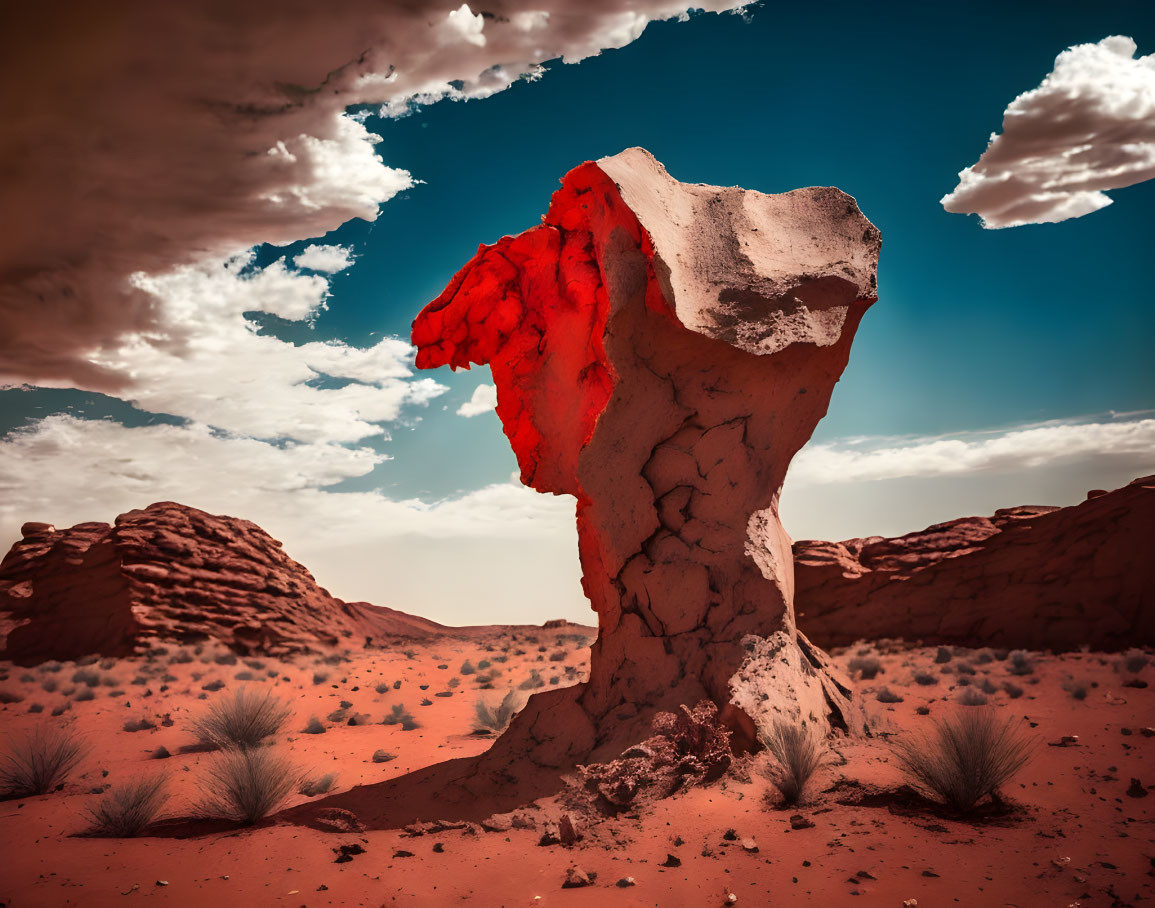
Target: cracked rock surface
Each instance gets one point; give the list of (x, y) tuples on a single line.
[(661, 351)]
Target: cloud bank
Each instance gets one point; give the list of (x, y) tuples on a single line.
[(1130, 443), (364, 545), (1089, 127), (173, 134)]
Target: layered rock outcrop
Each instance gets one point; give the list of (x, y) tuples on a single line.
[(171, 572), (661, 351), (1028, 577)]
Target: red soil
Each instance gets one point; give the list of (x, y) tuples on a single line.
[(1073, 835)]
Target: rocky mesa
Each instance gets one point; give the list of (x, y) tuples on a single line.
[(1030, 577), (174, 573)]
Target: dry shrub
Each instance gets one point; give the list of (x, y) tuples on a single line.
[(867, 667), (244, 720), (40, 761), (967, 758), (245, 785), (797, 752), (310, 788), (496, 718), (128, 810)]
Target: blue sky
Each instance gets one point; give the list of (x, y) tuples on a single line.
[(975, 329)]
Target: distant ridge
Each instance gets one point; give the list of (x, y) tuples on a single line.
[(1028, 577), (174, 573)]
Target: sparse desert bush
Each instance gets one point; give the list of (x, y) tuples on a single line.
[(90, 659), (1020, 663), (225, 658), (943, 655), (310, 788), (244, 720), (886, 695), (314, 726), (468, 668), (398, 716), (557, 656), (987, 686), (454, 681), (964, 668), (382, 687), (967, 757), (213, 686), (797, 754), (495, 718), (256, 665), (533, 682), (87, 676), (7, 696), (52, 667), (925, 679), (1012, 689), (244, 785), (181, 657), (40, 761), (1133, 661), (484, 664), (245, 675), (320, 677), (62, 708), (972, 697), (984, 657), (383, 756), (85, 693), (1077, 689), (866, 667), (141, 724), (108, 664), (129, 809)]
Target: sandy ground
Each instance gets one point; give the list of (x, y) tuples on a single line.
[(1074, 834)]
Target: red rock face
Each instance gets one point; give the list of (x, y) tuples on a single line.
[(661, 351), (1029, 577), (173, 573)]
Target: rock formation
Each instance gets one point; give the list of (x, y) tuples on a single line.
[(1028, 577), (661, 351), (170, 572)]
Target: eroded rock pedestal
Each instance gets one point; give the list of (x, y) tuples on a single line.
[(661, 351)]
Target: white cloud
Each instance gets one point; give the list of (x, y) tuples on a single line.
[(206, 362), (329, 259), (484, 399), (1089, 127), (65, 470), (1129, 442)]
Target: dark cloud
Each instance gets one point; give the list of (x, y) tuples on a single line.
[(141, 135)]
